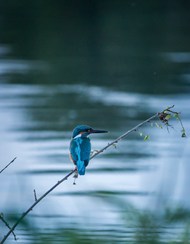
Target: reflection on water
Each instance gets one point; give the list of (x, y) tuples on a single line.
[(120, 71)]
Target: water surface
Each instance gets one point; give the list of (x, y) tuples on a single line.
[(110, 66)]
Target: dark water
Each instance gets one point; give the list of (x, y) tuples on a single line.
[(109, 64)]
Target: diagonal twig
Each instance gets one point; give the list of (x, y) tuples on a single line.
[(5, 222), (7, 165), (34, 204), (124, 135)]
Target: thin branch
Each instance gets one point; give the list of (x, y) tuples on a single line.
[(34, 204), (124, 135), (5, 222), (74, 170), (7, 165), (35, 196)]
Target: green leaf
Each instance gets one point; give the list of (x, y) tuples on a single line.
[(168, 116), (146, 137), (158, 125), (176, 116)]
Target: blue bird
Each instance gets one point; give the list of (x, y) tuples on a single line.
[(80, 146)]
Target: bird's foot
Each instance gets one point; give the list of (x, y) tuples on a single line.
[(75, 176)]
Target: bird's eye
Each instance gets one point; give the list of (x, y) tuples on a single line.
[(88, 130)]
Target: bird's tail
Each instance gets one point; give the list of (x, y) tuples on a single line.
[(81, 167)]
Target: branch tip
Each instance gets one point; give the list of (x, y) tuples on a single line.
[(35, 196), (7, 165)]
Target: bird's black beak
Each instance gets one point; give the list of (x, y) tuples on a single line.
[(98, 131)]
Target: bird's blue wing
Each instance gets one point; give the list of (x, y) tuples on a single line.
[(73, 153), (85, 150), (80, 152)]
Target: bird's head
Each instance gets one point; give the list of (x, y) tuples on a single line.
[(85, 130)]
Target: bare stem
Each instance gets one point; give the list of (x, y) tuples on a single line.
[(124, 135), (34, 204), (7, 165), (5, 222), (35, 196)]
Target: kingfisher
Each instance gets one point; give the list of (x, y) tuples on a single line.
[(80, 147)]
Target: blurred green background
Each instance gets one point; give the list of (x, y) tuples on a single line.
[(110, 64)]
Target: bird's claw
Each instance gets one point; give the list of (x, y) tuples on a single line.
[(75, 176)]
